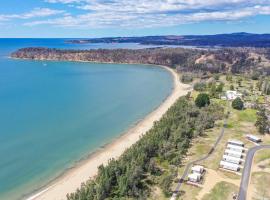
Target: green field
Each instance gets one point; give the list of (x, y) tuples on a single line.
[(222, 191), (262, 155), (261, 182)]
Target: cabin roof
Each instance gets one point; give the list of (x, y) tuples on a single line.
[(224, 163)]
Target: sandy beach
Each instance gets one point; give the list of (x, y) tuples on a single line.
[(72, 179)]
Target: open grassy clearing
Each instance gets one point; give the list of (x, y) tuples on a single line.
[(157, 194), (260, 178), (262, 155), (260, 181), (239, 124), (247, 115), (189, 192), (221, 191)]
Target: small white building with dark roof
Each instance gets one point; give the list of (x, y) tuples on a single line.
[(229, 166), (231, 153)]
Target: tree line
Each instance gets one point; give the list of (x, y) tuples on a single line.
[(140, 167)]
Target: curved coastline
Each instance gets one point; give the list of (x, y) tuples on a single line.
[(87, 168)]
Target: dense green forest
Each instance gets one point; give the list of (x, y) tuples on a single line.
[(142, 165)]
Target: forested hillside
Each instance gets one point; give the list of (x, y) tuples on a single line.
[(153, 159), (234, 60)]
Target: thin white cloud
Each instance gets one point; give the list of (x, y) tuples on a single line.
[(142, 13), (63, 1), (40, 12), (2, 18), (36, 12), (107, 16), (156, 6)]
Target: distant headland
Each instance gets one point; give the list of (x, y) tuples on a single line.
[(241, 39), (221, 60)]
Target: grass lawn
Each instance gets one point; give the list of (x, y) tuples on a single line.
[(247, 115), (261, 179), (261, 99), (261, 182), (262, 155), (238, 124), (157, 194), (221, 191), (189, 192)]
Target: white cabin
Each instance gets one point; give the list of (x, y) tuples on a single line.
[(231, 159), (235, 148), (236, 143), (194, 177), (253, 138), (197, 169), (223, 98), (235, 154), (231, 94), (229, 166)]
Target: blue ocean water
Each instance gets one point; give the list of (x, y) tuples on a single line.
[(52, 114)]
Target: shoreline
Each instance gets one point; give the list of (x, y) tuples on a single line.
[(87, 168)]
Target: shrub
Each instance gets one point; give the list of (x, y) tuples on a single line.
[(216, 77), (255, 75), (228, 77), (238, 104), (186, 78), (219, 88), (202, 100), (201, 86)]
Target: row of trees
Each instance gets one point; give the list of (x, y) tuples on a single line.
[(133, 174), (264, 85), (262, 123)]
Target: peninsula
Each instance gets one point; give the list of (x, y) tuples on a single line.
[(233, 60)]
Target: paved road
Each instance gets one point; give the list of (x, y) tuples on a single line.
[(177, 189), (247, 170)]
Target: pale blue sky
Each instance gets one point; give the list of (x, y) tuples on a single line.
[(101, 18)]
